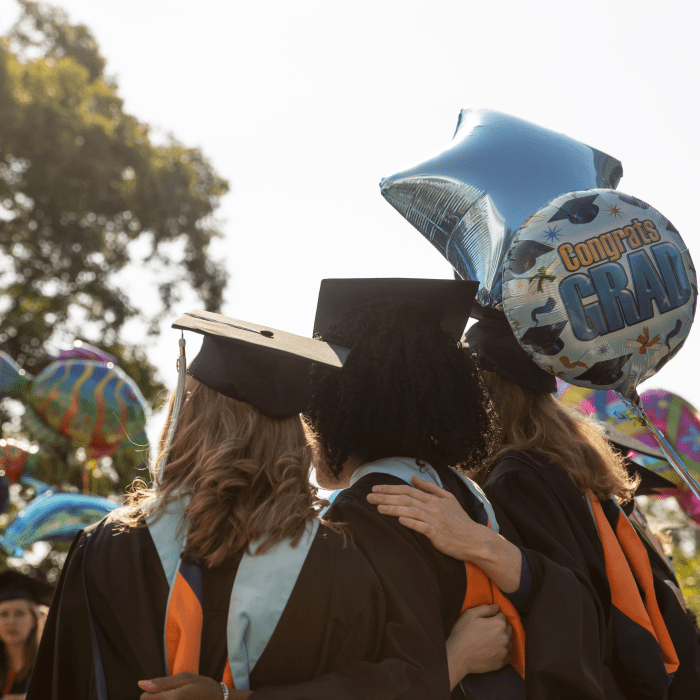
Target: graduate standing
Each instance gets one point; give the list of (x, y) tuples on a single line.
[(20, 598), (405, 403), (153, 589), (601, 626)]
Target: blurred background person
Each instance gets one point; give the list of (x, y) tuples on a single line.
[(21, 620)]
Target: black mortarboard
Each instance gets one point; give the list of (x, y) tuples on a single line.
[(17, 586), (449, 302), (651, 482), (497, 350), (264, 367)]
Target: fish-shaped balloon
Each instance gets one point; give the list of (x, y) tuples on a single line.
[(92, 404), (55, 517)]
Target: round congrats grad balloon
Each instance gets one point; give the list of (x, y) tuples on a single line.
[(600, 289), (471, 198)]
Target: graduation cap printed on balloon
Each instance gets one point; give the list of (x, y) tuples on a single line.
[(262, 366), (471, 198)]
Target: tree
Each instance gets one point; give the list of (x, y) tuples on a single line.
[(81, 181)]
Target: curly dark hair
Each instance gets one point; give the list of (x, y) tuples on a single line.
[(406, 390)]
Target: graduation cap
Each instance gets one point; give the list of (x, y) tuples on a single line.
[(261, 366), (448, 302), (498, 350), (651, 482), (17, 586)]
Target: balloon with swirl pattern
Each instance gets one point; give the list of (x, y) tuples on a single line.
[(89, 403)]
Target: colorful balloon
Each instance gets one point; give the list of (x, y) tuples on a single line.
[(16, 459), (92, 404), (672, 415), (53, 516), (470, 199), (600, 289), (604, 406), (85, 351), (680, 422)]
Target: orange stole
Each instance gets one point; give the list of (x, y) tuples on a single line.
[(183, 624), (628, 569), (482, 591), (11, 678)]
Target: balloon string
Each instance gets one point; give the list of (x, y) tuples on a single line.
[(637, 412)]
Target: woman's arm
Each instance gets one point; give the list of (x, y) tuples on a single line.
[(437, 514), (479, 642)]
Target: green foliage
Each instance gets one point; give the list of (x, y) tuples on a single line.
[(81, 182), (688, 574)]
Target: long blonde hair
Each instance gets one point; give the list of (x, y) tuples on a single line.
[(247, 475), (532, 422)]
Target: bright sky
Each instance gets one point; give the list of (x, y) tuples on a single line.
[(304, 105)]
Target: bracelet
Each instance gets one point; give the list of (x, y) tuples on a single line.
[(224, 690)]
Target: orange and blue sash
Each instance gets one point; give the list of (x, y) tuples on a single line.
[(262, 587), (645, 658), (504, 684), (183, 623)]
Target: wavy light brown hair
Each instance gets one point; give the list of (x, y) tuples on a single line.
[(532, 422), (248, 476)]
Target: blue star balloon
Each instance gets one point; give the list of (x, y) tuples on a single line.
[(470, 199)]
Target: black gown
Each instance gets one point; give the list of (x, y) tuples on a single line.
[(567, 628), (379, 609)]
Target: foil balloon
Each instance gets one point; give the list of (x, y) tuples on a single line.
[(470, 199), (679, 421), (603, 406), (85, 351), (53, 517), (600, 289), (671, 414), (609, 407), (43, 433), (89, 403), (17, 459)]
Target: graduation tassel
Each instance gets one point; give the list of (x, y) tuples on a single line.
[(181, 365)]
